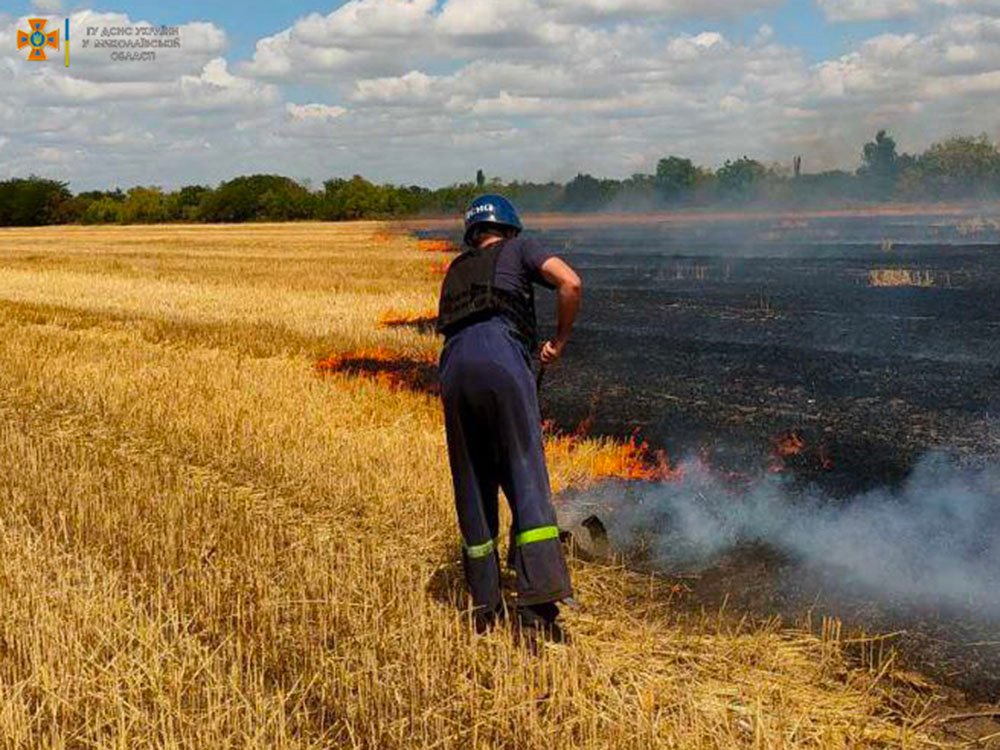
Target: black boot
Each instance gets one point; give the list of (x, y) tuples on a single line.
[(484, 619), (538, 621)]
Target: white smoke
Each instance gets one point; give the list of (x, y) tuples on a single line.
[(934, 541)]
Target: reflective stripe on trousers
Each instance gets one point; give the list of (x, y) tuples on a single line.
[(495, 441)]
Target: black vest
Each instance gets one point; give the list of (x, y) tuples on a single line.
[(469, 295)]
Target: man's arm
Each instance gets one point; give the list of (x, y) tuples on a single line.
[(569, 289)]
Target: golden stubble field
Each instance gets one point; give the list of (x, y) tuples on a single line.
[(205, 543)]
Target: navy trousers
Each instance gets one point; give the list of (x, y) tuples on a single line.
[(495, 441)]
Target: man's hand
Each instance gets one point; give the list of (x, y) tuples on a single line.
[(568, 287), (552, 351)]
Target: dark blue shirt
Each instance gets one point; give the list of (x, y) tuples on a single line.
[(520, 265)]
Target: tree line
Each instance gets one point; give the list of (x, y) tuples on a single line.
[(959, 168)]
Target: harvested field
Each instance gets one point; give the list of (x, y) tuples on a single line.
[(211, 541)]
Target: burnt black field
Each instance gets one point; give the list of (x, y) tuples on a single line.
[(721, 338), (836, 352)]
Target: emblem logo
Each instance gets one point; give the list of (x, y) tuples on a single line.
[(38, 40)]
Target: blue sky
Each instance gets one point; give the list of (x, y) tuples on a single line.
[(802, 23), (426, 91)]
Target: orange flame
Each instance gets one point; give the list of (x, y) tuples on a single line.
[(789, 444), (586, 425), (375, 354), (388, 368), (786, 445), (437, 246), (440, 268), (396, 318), (630, 460), (825, 460), (893, 277), (633, 460)]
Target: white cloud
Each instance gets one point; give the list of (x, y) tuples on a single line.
[(365, 20), (869, 10), (386, 38), (47, 6), (511, 106), (712, 9), (879, 10), (508, 24), (308, 112), (980, 6), (411, 88), (688, 48), (216, 88), (363, 35)]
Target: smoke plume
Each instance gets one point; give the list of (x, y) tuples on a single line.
[(933, 541)]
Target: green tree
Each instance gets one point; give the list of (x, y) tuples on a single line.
[(92, 195), (253, 198), (960, 167), (356, 198), (739, 179), (636, 193), (103, 210), (144, 205), (675, 176), (880, 168), (185, 204), (32, 202), (70, 211), (288, 203), (452, 199), (587, 193)]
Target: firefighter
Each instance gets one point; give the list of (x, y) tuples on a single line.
[(492, 417)]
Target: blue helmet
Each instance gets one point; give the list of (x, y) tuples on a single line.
[(491, 209)]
